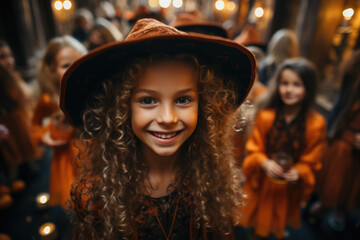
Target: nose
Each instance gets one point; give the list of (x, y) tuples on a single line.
[(289, 88), (167, 114)]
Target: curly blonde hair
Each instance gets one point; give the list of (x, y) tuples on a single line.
[(114, 170)]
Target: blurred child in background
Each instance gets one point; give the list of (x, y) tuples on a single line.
[(284, 150), (49, 124)]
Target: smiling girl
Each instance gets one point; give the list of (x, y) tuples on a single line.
[(284, 150), (157, 165)]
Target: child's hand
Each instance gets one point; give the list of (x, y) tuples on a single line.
[(292, 175), (47, 140), (272, 169), (4, 132)]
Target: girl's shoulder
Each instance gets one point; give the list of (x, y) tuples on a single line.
[(267, 114), (315, 120)]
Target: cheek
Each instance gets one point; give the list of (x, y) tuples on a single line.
[(60, 72), (191, 117), (301, 93), (139, 119), (281, 90)]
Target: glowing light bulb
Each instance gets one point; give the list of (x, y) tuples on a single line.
[(58, 5), (153, 3), (43, 199), (348, 13), (259, 12), (164, 3), (47, 230), (219, 5), (230, 6), (178, 3), (67, 4)]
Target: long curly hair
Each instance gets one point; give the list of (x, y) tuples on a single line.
[(112, 182)]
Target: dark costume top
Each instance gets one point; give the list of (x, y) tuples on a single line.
[(147, 212)]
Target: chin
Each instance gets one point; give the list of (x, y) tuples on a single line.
[(166, 152)]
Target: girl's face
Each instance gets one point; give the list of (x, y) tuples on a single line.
[(6, 59), (64, 59), (291, 88), (164, 107)]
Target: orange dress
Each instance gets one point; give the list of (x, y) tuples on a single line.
[(339, 180), (271, 206), (63, 170)]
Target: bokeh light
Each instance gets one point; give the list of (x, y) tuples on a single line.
[(219, 5), (47, 230), (153, 3), (67, 4), (58, 5), (164, 3), (230, 6), (348, 13), (259, 12), (177, 3)]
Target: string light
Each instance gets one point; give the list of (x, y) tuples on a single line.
[(178, 3), (259, 12), (67, 4), (219, 5), (58, 5), (230, 6), (153, 3), (164, 3), (348, 13), (47, 230)]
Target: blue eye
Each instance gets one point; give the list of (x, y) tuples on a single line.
[(183, 100), (147, 101)]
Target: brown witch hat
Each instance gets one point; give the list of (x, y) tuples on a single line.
[(193, 22), (84, 78)]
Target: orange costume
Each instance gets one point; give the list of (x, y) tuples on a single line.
[(339, 180), (272, 205), (63, 170)]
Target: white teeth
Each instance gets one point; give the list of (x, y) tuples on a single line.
[(164, 136)]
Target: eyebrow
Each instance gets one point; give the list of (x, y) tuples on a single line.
[(155, 92)]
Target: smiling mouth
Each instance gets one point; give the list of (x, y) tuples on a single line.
[(165, 135)]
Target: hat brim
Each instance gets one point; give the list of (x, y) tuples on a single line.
[(85, 76), (205, 28)]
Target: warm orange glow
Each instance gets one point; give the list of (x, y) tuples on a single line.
[(47, 230), (230, 6), (67, 4), (58, 5), (348, 13), (153, 3), (177, 3), (259, 12), (220, 5), (164, 3)]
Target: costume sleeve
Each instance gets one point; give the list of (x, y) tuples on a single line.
[(44, 108), (256, 145), (310, 159)]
